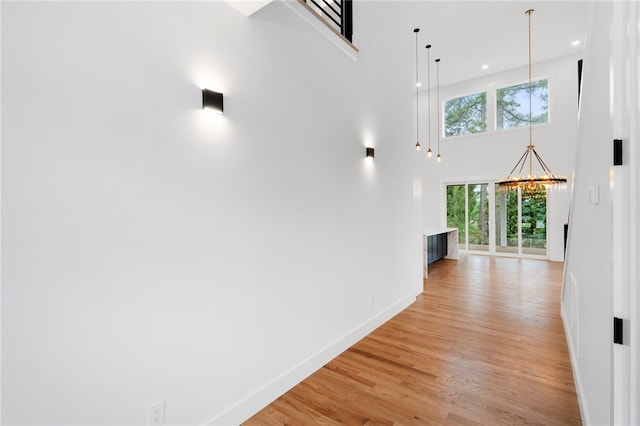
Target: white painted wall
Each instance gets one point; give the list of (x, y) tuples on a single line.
[(491, 155), (602, 257), (154, 251)]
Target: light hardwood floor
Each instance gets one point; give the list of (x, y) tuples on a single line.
[(483, 345)]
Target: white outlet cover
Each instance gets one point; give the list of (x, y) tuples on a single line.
[(156, 414)]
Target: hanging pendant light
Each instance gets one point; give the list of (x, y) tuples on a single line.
[(428, 46), (531, 183), (418, 146), (437, 61)]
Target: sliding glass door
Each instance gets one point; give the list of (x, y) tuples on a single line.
[(507, 223), (457, 211), (478, 216), (534, 223), (497, 222)]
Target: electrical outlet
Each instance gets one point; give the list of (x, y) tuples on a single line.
[(156, 414)]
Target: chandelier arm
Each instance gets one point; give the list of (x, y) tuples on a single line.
[(543, 164), (522, 159)]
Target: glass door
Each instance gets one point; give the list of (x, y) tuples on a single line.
[(534, 223), (457, 212), (478, 217), (498, 222), (507, 229)]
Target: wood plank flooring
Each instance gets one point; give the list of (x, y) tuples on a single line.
[(483, 345)]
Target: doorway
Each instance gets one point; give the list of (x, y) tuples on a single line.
[(503, 223)]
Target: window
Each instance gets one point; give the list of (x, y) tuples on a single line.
[(507, 229), (468, 210), (478, 216), (498, 222), (521, 222), (534, 223), (465, 115), (456, 211), (512, 105)]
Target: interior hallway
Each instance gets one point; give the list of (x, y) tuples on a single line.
[(484, 344)]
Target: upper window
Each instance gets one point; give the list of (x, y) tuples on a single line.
[(512, 104), (465, 115)]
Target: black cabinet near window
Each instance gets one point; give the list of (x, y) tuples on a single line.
[(436, 247)]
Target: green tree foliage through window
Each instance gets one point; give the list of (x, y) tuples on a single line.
[(478, 206), (520, 219), (456, 209), (534, 220), (512, 104), (465, 115)]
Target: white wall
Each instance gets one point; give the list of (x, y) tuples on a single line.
[(154, 251), (491, 155), (602, 254)]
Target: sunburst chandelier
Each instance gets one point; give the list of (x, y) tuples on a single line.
[(531, 183)]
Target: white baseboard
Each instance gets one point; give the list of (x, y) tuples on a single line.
[(264, 395), (574, 367)]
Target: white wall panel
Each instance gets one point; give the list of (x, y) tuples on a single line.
[(155, 251)]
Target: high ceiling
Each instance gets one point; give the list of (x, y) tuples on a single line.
[(469, 34)]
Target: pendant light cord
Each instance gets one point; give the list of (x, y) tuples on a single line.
[(531, 183), (438, 99), (529, 12), (429, 94), (417, 102)]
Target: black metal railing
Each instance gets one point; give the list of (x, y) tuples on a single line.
[(336, 13)]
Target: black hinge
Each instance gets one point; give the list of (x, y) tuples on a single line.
[(617, 152), (617, 330)]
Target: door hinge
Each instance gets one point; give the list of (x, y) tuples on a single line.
[(617, 152), (617, 331)]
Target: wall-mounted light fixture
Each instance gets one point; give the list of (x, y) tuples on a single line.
[(370, 152), (212, 100)]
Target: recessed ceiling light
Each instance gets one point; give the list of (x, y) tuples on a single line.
[(575, 43), (418, 84), (484, 67)]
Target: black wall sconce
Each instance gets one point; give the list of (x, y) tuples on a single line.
[(370, 152), (212, 100)]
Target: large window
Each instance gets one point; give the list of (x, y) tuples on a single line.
[(465, 115), (478, 223), (498, 222), (534, 223), (512, 104), (507, 229), (468, 210), (457, 211)]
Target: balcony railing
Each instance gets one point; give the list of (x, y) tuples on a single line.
[(337, 14)]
